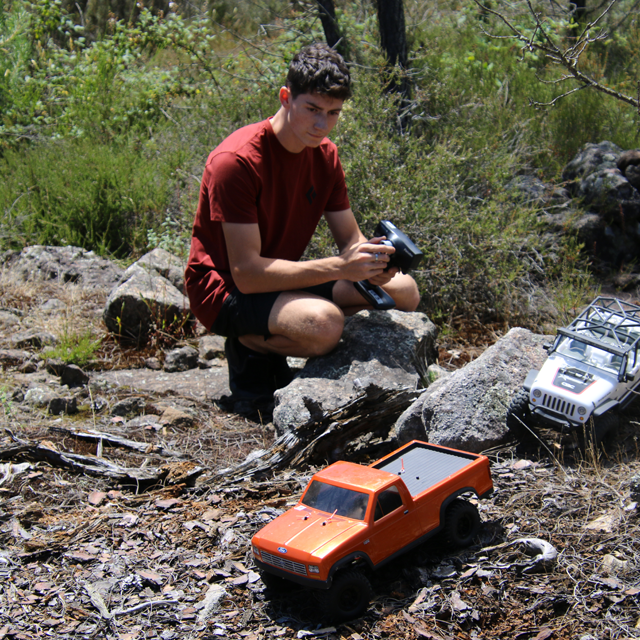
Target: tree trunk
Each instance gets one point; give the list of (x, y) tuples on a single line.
[(579, 8), (327, 13), (393, 38)]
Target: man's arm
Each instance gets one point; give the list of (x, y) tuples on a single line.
[(253, 273)]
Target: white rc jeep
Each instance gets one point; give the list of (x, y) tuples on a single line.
[(593, 369)]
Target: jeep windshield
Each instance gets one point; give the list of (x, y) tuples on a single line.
[(593, 356), (332, 499)]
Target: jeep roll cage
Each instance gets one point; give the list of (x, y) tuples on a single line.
[(608, 324)]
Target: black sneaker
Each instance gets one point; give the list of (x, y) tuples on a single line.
[(254, 376)]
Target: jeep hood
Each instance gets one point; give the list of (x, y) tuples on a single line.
[(576, 382), (303, 530)]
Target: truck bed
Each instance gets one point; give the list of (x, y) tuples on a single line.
[(421, 465)]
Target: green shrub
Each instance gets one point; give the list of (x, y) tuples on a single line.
[(100, 197)]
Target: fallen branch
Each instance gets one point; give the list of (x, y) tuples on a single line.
[(171, 473), (98, 602), (116, 441)]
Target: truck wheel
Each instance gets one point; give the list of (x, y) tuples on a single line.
[(462, 523), (601, 425), (519, 413), (348, 596), (276, 583)]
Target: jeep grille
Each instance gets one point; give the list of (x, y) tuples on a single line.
[(559, 405), (283, 563)]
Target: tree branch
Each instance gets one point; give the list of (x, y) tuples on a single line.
[(541, 40)]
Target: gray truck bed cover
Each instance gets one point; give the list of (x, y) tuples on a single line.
[(421, 466)]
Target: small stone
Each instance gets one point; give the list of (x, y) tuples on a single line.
[(152, 363), (96, 498), (175, 418), (128, 406), (611, 564), (181, 359), (73, 376), (58, 406)]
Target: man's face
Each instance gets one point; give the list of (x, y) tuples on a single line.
[(311, 117)]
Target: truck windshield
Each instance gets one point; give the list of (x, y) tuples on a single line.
[(589, 355), (329, 498)]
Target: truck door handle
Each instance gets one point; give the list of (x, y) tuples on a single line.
[(406, 511)]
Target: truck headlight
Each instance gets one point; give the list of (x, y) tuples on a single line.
[(537, 393), (256, 552), (314, 569), (582, 410)]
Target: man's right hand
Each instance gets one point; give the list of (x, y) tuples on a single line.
[(366, 261)]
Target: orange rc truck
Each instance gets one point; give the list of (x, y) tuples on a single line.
[(353, 518)]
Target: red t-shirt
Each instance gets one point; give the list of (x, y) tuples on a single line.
[(251, 178)]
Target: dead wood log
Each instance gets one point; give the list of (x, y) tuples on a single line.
[(116, 441), (142, 479), (361, 425)]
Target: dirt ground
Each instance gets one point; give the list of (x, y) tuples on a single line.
[(85, 556)]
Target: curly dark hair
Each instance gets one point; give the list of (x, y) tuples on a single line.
[(318, 68)]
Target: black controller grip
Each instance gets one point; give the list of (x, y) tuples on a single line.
[(375, 295)]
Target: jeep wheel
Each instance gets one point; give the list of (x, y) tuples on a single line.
[(462, 523), (519, 415), (595, 431), (348, 597)]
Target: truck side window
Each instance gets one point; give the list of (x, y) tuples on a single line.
[(389, 500)]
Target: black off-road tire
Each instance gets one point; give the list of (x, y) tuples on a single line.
[(597, 429), (519, 415), (462, 523), (348, 596), (276, 584)]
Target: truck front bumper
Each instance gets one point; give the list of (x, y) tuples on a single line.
[(557, 420), (313, 583)]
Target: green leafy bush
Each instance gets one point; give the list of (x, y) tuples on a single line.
[(100, 197)]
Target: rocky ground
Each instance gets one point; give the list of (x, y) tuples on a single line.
[(118, 521)]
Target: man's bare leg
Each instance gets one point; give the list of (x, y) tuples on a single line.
[(301, 324), (305, 325)]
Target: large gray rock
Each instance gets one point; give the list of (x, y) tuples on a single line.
[(610, 193), (467, 409), (144, 301), (591, 158), (602, 176), (379, 348), (64, 264), (166, 264)]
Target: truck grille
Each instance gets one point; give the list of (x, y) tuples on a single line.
[(283, 563), (559, 405)]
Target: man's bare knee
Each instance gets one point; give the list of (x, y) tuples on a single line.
[(404, 291), (323, 329)]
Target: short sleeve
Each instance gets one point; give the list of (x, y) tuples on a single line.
[(233, 189)]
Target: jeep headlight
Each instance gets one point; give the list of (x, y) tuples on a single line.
[(582, 410), (537, 393), (314, 569)]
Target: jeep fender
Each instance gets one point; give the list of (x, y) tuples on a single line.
[(530, 379), (604, 407)]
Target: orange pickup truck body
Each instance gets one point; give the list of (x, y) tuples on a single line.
[(352, 514)]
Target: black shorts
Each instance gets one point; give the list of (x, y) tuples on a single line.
[(248, 313)]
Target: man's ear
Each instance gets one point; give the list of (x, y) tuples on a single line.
[(285, 97)]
